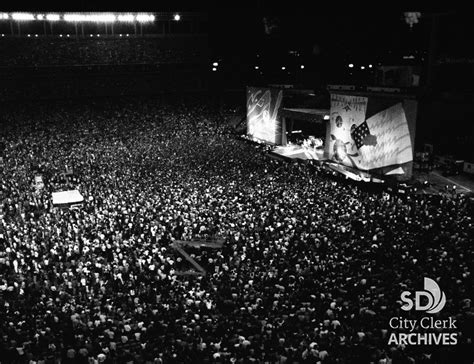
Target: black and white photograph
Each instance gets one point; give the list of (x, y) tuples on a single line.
[(237, 182)]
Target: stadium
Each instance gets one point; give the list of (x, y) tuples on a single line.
[(177, 189)]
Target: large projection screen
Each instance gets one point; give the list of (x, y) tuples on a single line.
[(263, 105), (372, 133)]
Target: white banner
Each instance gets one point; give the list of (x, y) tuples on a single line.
[(380, 141), (392, 143), (346, 111), (262, 114)]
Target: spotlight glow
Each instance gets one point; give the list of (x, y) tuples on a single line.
[(126, 18), (144, 18), (98, 18), (73, 17), (302, 66), (214, 69), (101, 18), (351, 65), (52, 17), (22, 16), (177, 17), (215, 64), (256, 67), (370, 66), (283, 68), (362, 67)]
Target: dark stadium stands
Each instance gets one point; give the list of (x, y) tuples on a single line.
[(54, 51)]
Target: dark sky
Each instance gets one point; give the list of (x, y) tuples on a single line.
[(363, 34), (344, 33)]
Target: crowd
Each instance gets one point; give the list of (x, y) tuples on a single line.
[(311, 270), (35, 52)]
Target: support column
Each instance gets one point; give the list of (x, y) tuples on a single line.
[(284, 139)]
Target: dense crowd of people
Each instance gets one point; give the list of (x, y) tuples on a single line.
[(311, 269), (36, 52)]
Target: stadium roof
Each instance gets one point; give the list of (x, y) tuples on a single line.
[(305, 114)]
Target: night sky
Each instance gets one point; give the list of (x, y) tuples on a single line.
[(334, 30), (359, 33), (325, 36)]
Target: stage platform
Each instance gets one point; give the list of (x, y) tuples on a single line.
[(298, 152), (432, 182), (353, 173)]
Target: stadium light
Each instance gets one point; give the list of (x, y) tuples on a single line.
[(326, 117), (98, 18), (177, 17), (22, 16), (302, 66), (29, 35), (126, 18), (4, 16), (101, 18), (144, 18), (283, 68), (412, 17), (215, 64), (52, 17), (39, 17), (67, 35), (36, 35), (120, 35), (128, 35), (61, 35), (362, 67), (214, 69), (256, 67), (351, 65), (73, 17), (370, 66), (98, 35)]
